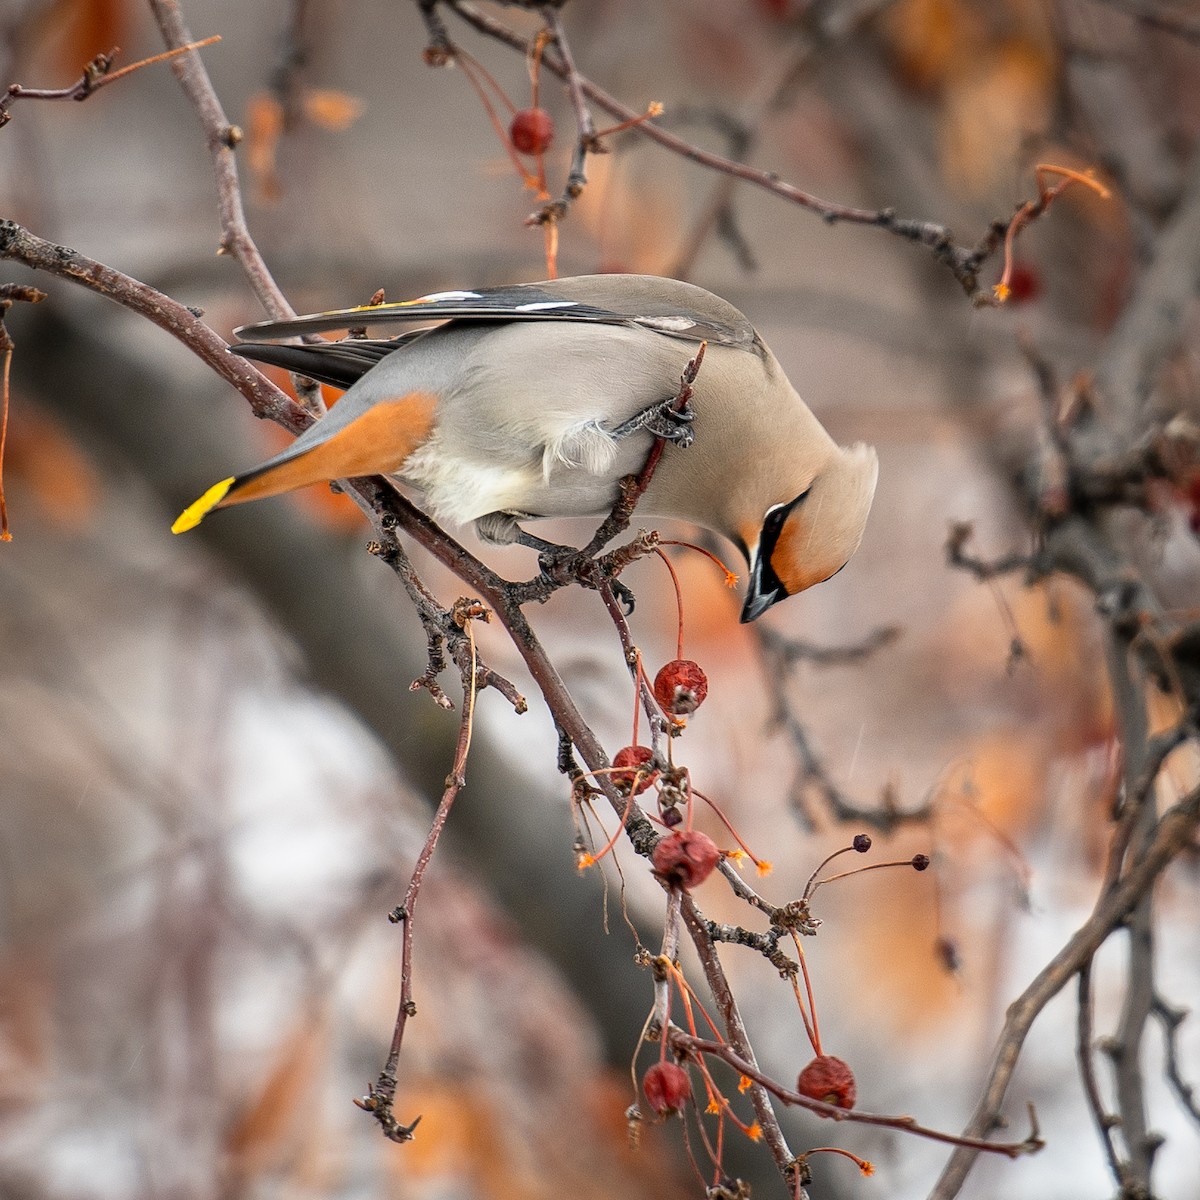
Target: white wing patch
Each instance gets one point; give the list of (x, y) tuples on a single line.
[(441, 297), (671, 324), (544, 305)]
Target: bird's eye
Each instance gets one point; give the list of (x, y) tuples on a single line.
[(774, 520)]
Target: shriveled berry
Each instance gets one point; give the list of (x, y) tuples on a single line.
[(670, 816), (862, 842), (920, 862), (686, 857), (632, 770), (532, 130), (829, 1079), (680, 687), (668, 1088)]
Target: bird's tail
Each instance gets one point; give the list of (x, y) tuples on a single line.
[(376, 441)]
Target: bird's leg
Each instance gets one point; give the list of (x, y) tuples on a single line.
[(666, 419)]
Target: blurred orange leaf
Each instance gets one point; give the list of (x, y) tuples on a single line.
[(85, 28), (60, 478), (264, 127), (931, 38), (331, 109), (262, 1133), (990, 111)]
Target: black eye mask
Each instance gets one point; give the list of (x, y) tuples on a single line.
[(766, 588), (773, 524)]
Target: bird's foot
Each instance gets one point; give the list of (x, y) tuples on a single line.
[(559, 565), (667, 420)]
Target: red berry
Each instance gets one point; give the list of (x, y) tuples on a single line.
[(668, 1088), (680, 687), (1024, 284), (532, 130), (830, 1079), (632, 770), (686, 857)]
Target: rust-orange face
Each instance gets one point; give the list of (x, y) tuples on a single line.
[(787, 558), (766, 587)]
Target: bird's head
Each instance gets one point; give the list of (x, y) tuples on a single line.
[(806, 539)]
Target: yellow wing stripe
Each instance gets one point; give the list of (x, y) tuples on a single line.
[(195, 513)]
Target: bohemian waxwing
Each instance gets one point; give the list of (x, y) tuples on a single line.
[(535, 400)]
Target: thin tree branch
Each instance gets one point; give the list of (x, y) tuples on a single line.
[(266, 400), (382, 1094), (222, 138), (97, 73), (729, 1054), (964, 262), (1172, 834), (1085, 1054), (1172, 1018)]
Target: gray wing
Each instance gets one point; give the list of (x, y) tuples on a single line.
[(664, 306)]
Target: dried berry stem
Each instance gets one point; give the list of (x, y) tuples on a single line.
[(678, 602)]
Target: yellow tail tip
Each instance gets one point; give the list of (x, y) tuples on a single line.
[(195, 513)]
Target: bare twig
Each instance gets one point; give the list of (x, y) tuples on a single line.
[(790, 651), (442, 629), (779, 657), (287, 77), (730, 1054), (1125, 1048), (1084, 1053), (96, 74), (223, 138), (744, 134), (961, 532), (585, 140), (1172, 1018), (964, 262), (181, 322), (1151, 324), (735, 1032), (382, 1094), (10, 293)]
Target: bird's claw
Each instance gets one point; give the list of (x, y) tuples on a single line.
[(624, 596)]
